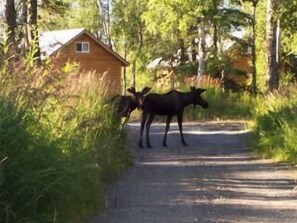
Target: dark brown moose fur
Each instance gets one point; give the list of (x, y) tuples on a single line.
[(169, 104), (126, 104)]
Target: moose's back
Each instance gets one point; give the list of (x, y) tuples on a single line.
[(163, 104)]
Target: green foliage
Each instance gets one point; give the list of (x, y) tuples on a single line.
[(54, 14), (59, 143), (260, 44), (215, 64), (288, 18), (84, 14), (187, 69), (223, 106), (275, 125)]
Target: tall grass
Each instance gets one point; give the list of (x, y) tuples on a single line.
[(275, 121), (59, 142), (223, 104)]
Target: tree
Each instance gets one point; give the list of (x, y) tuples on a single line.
[(29, 27), (194, 19), (104, 13), (25, 26), (253, 22), (272, 54), (10, 20), (34, 28), (57, 14), (128, 30), (201, 48), (174, 19), (254, 72), (164, 19), (24, 21)]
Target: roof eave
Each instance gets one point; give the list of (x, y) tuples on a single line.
[(121, 59), (124, 62)]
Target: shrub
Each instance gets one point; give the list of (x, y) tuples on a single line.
[(275, 125), (222, 104), (59, 142)]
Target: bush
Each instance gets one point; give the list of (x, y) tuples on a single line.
[(274, 128), (59, 143), (222, 104)]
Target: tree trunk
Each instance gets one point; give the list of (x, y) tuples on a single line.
[(183, 57), (10, 20), (104, 15), (201, 48), (272, 63), (254, 71), (215, 28), (34, 30), (193, 50), (215, 39), (26, 37), (125, 74), (134, 74)]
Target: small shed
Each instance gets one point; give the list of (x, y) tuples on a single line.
[(82, 47)]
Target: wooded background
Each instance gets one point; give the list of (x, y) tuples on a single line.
[(144, 30)]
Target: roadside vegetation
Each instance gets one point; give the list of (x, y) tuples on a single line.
[(274, 125), (60, 142), (224, 104), (271, 117)]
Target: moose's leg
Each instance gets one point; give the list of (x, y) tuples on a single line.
[(126, 119), (143, 120), (180, 126), (169, 117), (148, 125)]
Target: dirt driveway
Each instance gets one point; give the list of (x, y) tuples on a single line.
[(214, 179)]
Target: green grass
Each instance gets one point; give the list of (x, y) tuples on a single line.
[(60, 143), (274, 125), (222, 106)]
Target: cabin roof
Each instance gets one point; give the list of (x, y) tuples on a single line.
[(52, 41)]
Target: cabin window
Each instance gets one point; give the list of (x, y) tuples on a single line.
[(82, 47)]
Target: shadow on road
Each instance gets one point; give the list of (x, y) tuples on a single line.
[(214, 179)]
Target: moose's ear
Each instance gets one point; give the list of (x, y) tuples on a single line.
[(192, 88), (145, 90), (131, 90), (201, 90)]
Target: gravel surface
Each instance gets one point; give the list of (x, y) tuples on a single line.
[(214, 179)]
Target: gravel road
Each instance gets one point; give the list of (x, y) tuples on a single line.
[(214, 179)]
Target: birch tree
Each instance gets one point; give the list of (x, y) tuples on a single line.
[(201, 47), (272, 54), (103, 7), (129, 31)]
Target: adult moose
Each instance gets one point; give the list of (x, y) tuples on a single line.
[(169, 104), (126, 104)]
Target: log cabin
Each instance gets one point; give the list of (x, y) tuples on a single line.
[(83, 48)]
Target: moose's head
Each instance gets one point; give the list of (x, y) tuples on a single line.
[(197, 98), (138, 96)]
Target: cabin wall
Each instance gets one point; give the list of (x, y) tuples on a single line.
[(97, 59)]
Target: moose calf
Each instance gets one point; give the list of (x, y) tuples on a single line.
[(169, 104), (126, 104)]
